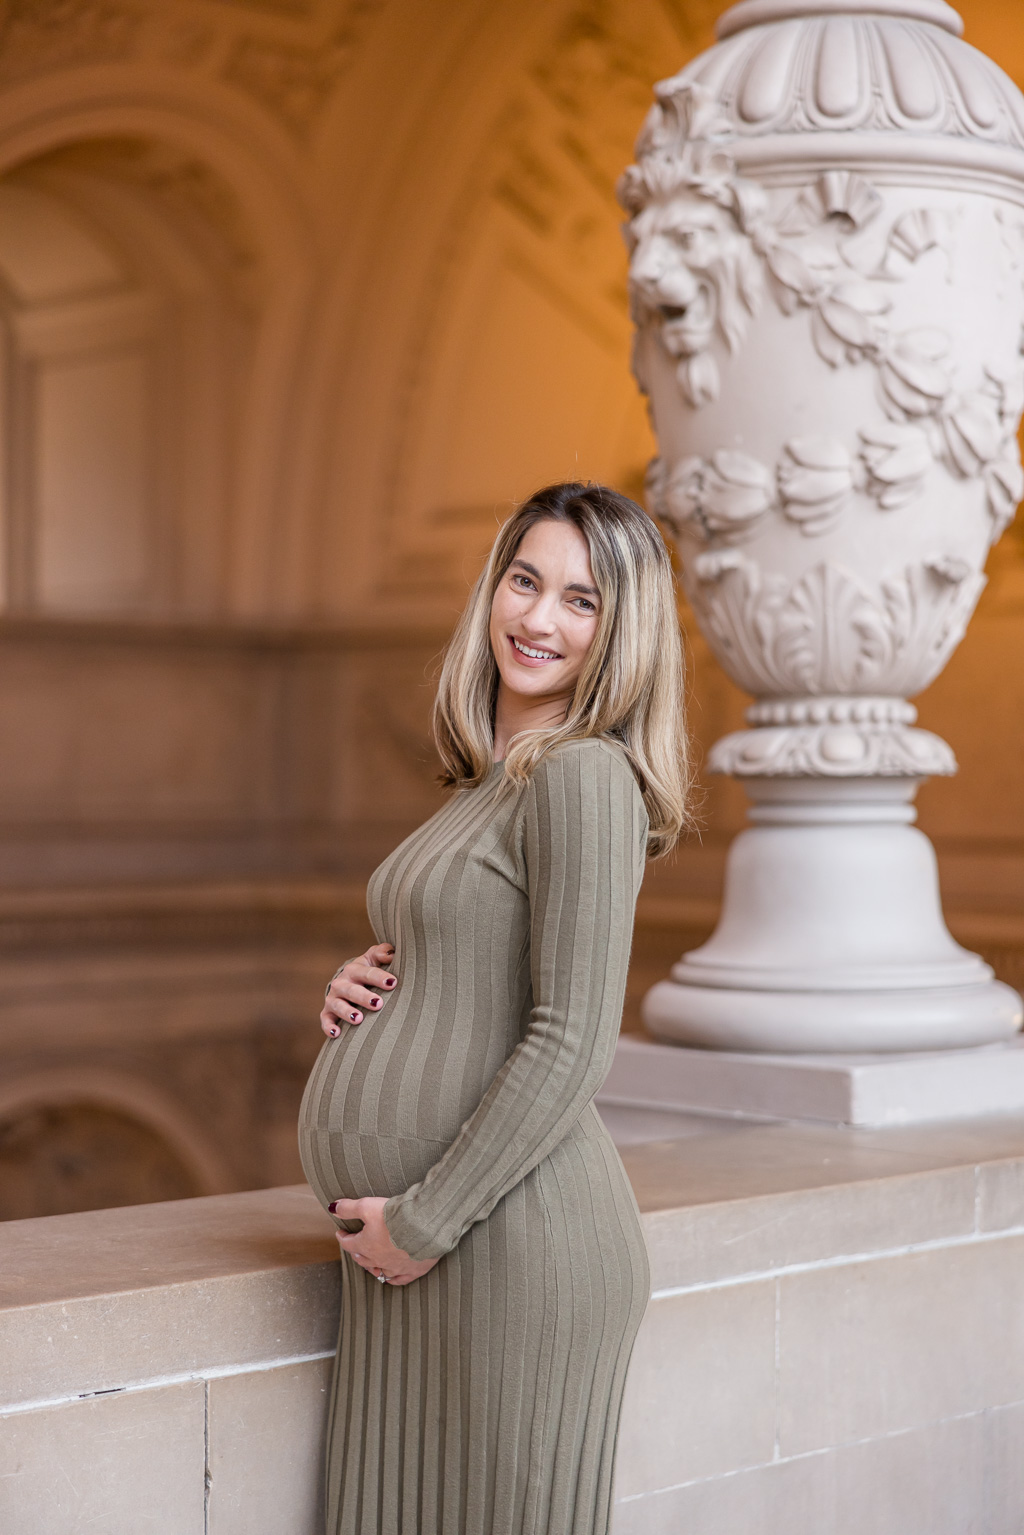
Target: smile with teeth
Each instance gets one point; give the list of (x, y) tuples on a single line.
[(533, 653)]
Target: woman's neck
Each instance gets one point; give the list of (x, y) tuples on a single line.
[(514, 713)]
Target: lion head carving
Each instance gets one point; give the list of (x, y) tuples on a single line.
[(695, 267), (694, 274)]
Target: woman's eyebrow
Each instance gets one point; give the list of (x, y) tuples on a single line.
[(573, 586)]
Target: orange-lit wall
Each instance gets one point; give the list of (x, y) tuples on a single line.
[(364, 270)]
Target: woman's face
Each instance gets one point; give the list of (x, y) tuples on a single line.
[(544, 613)]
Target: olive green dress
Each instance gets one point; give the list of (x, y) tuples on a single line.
[(484, 1398)]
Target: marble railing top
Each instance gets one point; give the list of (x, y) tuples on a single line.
[(141, 1247), (719, 1161), (741, 1160), (114, 1299)]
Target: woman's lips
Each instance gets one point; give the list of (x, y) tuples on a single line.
[(523, 659)]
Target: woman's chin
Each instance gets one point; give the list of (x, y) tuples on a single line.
[(531, 682)]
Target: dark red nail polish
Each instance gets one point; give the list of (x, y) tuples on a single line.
[(390, 981), (334, 1033), (354, 1017), (333, 1207)]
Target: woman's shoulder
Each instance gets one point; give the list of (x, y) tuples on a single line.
[(587, 766)]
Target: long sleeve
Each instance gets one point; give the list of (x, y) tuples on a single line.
[(583, 833)]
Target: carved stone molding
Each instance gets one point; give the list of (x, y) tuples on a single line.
[(701, 261), (859, 710), (827, 632), (37, 35), (293, 79), (799, 73), (852, 750)]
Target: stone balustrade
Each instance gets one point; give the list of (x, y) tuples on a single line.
[(835, 1345)]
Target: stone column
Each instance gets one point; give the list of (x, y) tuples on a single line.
[(827, 277)]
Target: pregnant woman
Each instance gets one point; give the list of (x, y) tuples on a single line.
[(494, 1273)]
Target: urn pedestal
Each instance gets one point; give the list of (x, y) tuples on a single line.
[(827, 279)]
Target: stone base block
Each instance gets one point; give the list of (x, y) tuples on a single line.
[(836, 1089)]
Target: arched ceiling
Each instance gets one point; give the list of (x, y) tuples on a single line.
[(429, 189)]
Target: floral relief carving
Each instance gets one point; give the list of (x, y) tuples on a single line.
[(825, 632), (815, 479), (702, 242), (704, 249), (722, 497), (896, 459)]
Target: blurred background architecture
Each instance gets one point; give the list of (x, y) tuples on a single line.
[(298, 297)]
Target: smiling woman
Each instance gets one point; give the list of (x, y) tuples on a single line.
[(543, 620), (605, 590), (494, 1272)]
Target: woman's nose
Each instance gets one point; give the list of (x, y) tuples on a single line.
[(540, 618)]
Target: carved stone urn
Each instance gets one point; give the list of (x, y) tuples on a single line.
[(827, 279)]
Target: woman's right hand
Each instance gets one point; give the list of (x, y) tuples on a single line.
[(348, 994)]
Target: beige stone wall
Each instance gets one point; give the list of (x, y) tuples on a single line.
[(833, 1346), (296, 300)]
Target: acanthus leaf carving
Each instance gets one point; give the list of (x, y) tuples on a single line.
[(826, 633)]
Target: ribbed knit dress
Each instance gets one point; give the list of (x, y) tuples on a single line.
[(484, 1398)]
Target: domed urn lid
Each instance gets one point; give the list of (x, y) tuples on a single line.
[(884, 81), (751, 13)]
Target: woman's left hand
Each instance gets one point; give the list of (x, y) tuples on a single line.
[(372, 1248)]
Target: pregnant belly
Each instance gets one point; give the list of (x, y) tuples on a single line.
[(369, 1123)]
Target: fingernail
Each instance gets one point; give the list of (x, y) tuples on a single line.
[(334, 1033), (376, 1002), (354, 1017), (390, 981), (333, 1207)]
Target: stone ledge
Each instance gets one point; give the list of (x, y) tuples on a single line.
[(804, 1278), (113, 1298)]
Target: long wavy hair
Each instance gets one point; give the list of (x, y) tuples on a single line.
[(630, 688)]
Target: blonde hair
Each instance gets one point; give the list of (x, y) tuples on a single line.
[(630, 688)]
